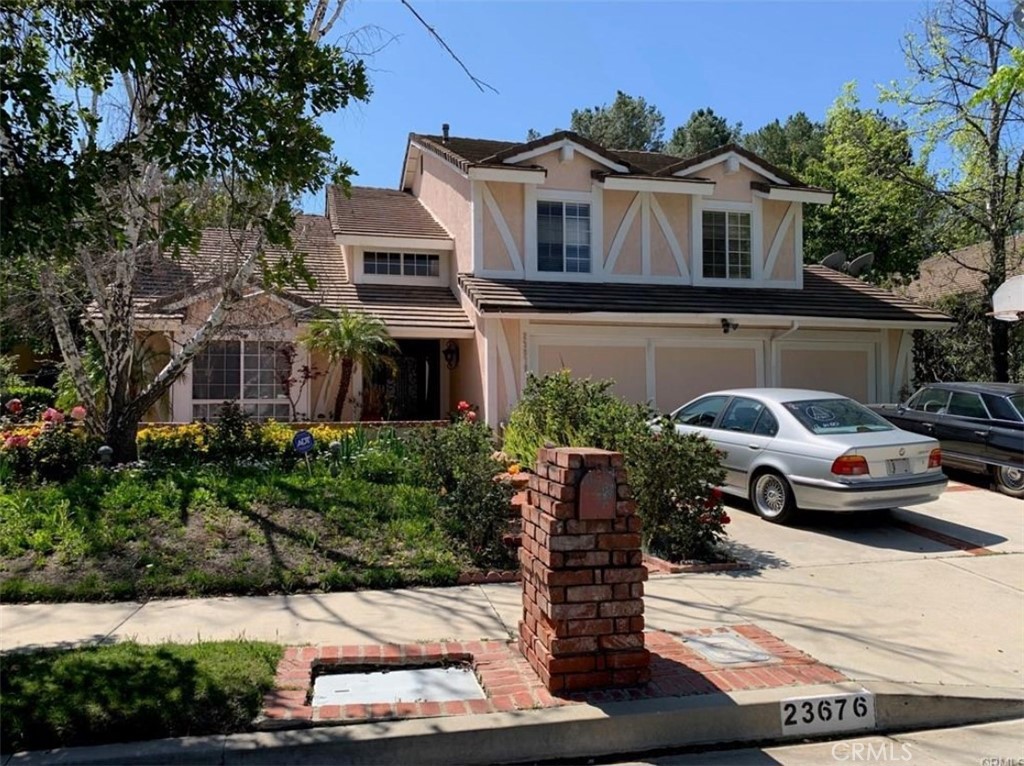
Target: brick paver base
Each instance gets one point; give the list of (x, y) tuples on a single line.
[(511, 684)]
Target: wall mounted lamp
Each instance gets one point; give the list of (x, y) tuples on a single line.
[(451, 354)]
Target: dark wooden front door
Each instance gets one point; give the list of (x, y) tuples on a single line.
[(412, 391)]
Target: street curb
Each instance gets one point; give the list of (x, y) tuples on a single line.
[(578, 731)]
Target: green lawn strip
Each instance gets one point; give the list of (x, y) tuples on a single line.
[(208, 530), (128, 692)]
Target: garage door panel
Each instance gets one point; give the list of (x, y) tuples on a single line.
[(843, 371), (626, 365), (686, 372)]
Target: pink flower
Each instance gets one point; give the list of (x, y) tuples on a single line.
[(14, 406), (12, 442), (725, 518), (53, 416), (471, 416), (78, 412), (463, 405)]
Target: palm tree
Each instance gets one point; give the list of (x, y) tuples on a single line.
[(351, 338)]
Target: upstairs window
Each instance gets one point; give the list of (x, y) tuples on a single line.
[(726, 238), (563, 237), (402, 264)]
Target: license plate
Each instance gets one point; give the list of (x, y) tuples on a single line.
[(827, 714), (898, 466)]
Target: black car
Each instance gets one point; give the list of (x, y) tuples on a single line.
[(980, 427)]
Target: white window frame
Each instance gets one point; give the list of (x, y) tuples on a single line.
[(533, 195), (360, 276), (565, 243), (301, 358), (698, 207), (728, 236)]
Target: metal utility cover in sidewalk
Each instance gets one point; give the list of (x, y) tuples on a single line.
[(415, 685), (727, 649)]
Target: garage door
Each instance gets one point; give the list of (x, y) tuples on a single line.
[(626, 365), (685, 372), (846, 369)]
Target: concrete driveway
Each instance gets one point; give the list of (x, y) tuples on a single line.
[(933, 594)]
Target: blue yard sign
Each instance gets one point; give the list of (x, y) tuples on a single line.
[(302, 442)]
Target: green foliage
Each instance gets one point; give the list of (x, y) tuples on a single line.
[(702, 132), (234, 437), (60, 451), (127, 692), (202, 530), (458, 461), (570, 412), (628, 123), (672, 477), (963, 352), (32, 398), (874, 210), (8, 378), (790, 145)]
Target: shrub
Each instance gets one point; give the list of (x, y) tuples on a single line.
[(570, 412), (673, 477), (173, 444), (34, 399), (458, 461), (53, 449)]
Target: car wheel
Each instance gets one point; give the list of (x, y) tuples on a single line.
[(772, 498), (1010, 481)]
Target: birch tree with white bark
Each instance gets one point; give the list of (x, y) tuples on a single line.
[(111, 109)]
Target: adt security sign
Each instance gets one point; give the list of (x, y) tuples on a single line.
[(302, 442)]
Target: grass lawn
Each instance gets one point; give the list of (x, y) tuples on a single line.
[(125, 692), (207, 530)]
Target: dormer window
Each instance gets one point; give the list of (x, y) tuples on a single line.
[(563, 237), (726, 245)]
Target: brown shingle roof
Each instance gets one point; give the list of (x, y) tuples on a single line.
[(381, 212), (826, 294), (164, 285), (962, 271)]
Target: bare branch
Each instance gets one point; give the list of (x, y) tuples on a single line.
[(480, 84)]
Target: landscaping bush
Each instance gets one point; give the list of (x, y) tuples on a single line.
[(570, 412), (53, 449), (458, 461), (673, 478), (127, 692), (34, 399)]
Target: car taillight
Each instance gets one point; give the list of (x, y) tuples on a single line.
[(850, 465), (935, 458)]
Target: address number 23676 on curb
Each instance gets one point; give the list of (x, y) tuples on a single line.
[(827, 714)]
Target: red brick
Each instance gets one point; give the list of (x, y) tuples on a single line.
[(430, 709), (454, 707), (588, 627), (330, 652), (578, 681), (580, 664), (406, 709), (634, 524), (588, 526), (504, 703), (576, 611), (356, 711), (624, 492), (588, 593), (622, 609), (479, 706), (637, 574), (625, 508), (636, 624), (329, 712), (565, 459), (619, 542), (621, 592), (589, 559), (578, 645), (568, 577), (309, 653), (597, 459), (622, 641), (634, 659)]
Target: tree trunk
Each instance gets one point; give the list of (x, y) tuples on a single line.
[(121, 435), (999, 329), (346, 381)]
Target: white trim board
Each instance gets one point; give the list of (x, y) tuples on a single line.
[(761, 171), (560, 144)]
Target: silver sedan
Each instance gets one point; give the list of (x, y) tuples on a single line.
[(787, 449)]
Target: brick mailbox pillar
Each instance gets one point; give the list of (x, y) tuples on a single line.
[(583, 573)]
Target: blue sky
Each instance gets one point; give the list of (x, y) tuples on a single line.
[(750, 61)]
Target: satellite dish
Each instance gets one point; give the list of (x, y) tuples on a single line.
[(1008, 300), (860, 264), (834, 260)]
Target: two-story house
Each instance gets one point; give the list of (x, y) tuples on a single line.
[(493, 259)]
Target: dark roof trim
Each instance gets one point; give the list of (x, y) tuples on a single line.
[(761, 186), (554, 138)]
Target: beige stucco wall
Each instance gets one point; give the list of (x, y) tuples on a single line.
[(568, 176), (255, 316), (683, 373), (445, 192), (623, 364), (663, 263), (510, 200), (630, 260), (615, 204), (732, 187), (156, 351), (773, 213), (467, 380), (842, 371)]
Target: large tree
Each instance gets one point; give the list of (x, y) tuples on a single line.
[(957, 100), (790, 145), (863, 153), (108, 105), (703, 131), (628, 123)]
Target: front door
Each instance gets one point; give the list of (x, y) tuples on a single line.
[(410, 391)]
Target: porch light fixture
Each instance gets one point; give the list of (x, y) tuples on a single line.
[(728, 327), (451, 354)]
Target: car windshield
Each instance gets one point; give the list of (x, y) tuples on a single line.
[(1017, 400), (836, 416)]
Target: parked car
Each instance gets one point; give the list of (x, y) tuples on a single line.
[(789, 449), (980, 427)]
